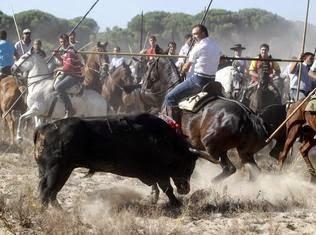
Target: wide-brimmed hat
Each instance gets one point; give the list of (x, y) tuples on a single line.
[(237, 47), (26, 31)]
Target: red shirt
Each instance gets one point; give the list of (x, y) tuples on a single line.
[(71, 63)]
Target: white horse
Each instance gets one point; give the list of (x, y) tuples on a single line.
[(41, 94), (230, 80)]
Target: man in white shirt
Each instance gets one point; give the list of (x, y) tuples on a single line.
[(24, 45), (306, 80), (117, 60), (184, 52), (205, 57)]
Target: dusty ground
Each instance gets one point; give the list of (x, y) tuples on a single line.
[(110, 204)]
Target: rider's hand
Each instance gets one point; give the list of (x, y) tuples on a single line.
[(300, 56)]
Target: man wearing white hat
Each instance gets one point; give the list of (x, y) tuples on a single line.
[(24, 45)]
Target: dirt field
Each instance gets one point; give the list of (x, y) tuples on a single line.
[(110, 204)]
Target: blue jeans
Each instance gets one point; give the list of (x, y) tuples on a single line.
[(187, 88), (67, 82)]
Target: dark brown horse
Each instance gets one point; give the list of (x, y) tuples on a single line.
[(96, 68), (263, 94), (295, 127), (112, 88), (221, 125), (9, 93)]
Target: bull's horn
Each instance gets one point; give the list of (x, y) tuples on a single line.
[(204, 155)]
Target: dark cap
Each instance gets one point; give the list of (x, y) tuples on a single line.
[(237, 47)]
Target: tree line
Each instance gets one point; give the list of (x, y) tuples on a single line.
[(250, 27)]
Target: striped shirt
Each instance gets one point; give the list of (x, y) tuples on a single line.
[(71, 62)]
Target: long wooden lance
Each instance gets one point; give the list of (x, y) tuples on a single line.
[(17, 29), (302, 51), (298, 83), (291, 114), (130, 54), (261, 59), (76, 26), (141, 31), (193, 41)]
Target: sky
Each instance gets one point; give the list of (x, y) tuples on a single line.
[(118, 12)]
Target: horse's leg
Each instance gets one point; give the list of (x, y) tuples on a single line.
[(227, 166), (292, 134), (304, 149), (154, 193), (248, 158), (27, 114), (10, 124)]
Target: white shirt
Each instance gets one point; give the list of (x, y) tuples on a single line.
[(205, 55), (116, 62), (18, 47), (306, 80), (183, 52)]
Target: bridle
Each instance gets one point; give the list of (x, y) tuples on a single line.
[(157, 78)]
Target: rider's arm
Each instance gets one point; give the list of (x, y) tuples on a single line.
[(186, 67), (312, 71)]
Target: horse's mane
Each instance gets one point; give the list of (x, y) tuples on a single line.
[(167, 73)]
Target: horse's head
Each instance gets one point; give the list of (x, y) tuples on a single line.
[(102, 58), (158, 80), (32, 63), (161, 76), (122, 75), (138, 68), (264, 73), (24, 64)]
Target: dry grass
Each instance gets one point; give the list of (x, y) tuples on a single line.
[(106, 204)]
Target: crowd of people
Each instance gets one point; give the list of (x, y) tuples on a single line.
[(203, 61)]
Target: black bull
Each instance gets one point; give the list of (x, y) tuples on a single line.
[(141, 146)]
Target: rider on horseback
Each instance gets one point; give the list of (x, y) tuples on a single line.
[(263, 71), (117, 60), (205, 57), (70, 72), (6, 55)]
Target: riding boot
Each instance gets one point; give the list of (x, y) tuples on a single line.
[(175, 114), (68, 106)]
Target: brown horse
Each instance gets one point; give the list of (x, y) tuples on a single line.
[(294, 128), (96, 67), (112, 88), (9, 93), (222, 124)]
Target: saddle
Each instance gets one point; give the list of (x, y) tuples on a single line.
[(75, 90), (195, 103)]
